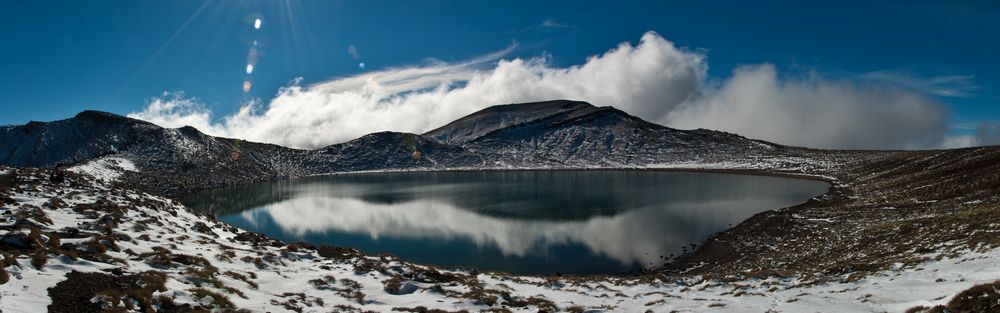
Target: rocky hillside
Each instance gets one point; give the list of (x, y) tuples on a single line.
[(85, 245), (172, 160), (576, 134), (498, 117), (552, 134), (86, 136)]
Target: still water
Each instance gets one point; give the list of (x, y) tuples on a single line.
[(524, 222)]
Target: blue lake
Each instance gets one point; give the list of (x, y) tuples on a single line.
[(523, 222)]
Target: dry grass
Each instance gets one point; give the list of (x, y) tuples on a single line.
[(38, 259), (241, 277), (218, 301), (890, 208)]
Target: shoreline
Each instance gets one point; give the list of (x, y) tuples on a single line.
[(887, 222), (735, 171), (853, 178), (657, 270)]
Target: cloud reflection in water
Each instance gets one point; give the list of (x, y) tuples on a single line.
[(534, 222), (640, 235)]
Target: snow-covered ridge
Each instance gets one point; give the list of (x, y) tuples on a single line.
[(174, 259)]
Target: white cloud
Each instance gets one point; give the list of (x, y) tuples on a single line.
[(982, 134), (174, 110), (647, 79), (552, 23), (653, 79), (549, 24), (960, 86), (987, 134), (815, 112), (960, 141)]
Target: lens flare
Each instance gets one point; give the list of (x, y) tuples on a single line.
[(252, 55)]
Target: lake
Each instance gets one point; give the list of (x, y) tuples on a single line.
[(522, 222)]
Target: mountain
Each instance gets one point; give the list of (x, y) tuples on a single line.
[(88, 135), (571, 133), (550, 134), (491, 119), (175, 160), (391, 150)]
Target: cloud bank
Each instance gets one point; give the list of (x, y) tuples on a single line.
[(984, 134), (653, 79), (988, 134), (815, 112)]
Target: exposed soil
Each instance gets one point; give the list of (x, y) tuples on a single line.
[(82, 292), (883, 211)]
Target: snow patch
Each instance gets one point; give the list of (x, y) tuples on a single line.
[(106, 169)]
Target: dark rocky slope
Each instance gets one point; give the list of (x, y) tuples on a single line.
[(551, 134), (895, 208)]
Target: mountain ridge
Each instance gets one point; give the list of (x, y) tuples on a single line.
[(547, 134)]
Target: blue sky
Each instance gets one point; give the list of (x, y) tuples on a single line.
[(61, 57)]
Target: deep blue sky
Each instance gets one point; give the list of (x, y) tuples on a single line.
[(61, 57)]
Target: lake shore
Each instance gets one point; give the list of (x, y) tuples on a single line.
[(855, 203), (532, 222), (918, 224)]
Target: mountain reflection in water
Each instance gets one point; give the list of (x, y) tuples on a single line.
[(517, 221)]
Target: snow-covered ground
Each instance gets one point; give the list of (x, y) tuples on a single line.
[(106, 169), (212, 265)]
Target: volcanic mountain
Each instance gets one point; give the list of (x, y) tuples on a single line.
[(550, 134)]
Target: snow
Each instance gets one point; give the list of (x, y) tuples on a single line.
[(106, 169), (27, 291), (284, 272)]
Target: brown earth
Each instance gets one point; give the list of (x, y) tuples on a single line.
[(891, 207)]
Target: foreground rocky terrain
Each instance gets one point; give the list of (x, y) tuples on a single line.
[(886, 211), (898, 229), (86, 245)]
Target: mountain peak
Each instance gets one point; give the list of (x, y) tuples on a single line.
[(91, 114), (563, 104), (497, 117), (102, 117)]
